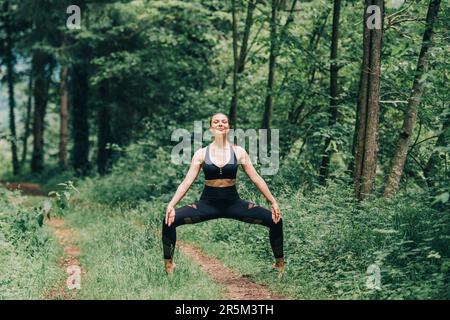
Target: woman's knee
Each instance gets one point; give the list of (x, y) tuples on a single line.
[(277, 225)]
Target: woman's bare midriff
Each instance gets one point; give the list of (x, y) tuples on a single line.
[(220, 183)]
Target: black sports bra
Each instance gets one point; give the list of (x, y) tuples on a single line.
[(228, 171)]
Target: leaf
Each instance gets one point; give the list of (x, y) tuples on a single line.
[(385, 231), (433, 255), (443, 198)]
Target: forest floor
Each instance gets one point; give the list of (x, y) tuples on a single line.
[(234, 285)]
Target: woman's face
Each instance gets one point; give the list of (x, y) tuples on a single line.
[(219, 124)]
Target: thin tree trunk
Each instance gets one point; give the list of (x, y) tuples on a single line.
[(324, 169), (27, 119), (234, 98), (80, 124), (409, 121), (10, 77), (248, 27), (268, 105), (63, 112), (366, 148)]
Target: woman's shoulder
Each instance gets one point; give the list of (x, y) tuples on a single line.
[(239, 152), (200, 153), (238, 148)]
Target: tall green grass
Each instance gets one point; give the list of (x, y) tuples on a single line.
[(330, 241), (122, 255), (29, 254)]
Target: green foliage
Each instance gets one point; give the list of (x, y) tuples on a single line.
[(135, 177), (330, 242), (62, 198), (122, 252), (28, 255)]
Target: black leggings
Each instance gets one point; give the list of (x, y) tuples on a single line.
[(238, 209)]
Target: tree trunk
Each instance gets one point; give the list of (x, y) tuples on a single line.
[(333, 92), (63, 92), (40, 101), (409, 121), (366, 148), (248, 27), (234, 98), (10, 77), (268, 105), (27, 120), (80, 124)]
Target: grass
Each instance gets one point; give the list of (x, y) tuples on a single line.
[(330, 242), (122, 257), (29, 255)]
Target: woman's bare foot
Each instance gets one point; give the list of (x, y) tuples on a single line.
[(169, 266), (280, 266)]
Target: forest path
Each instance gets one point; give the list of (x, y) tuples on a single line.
[(69, 262), (27, 188), (236, 286)]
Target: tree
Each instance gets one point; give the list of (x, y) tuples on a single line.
[(9, 57), (239, 61), (410, 118), (366, 147), (41, 75), (27, 119), (333, 113), (80, 121), (268, 105), (233, 107), (63, 113)]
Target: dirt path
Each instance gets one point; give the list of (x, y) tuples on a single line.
[(237, 287), (66, 238), (27, 188)]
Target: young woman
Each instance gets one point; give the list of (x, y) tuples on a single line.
[(220, 198)]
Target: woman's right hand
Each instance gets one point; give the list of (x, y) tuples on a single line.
[(170, 215)]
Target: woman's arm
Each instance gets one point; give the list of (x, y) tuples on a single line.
[(184, 186), (259, 182)]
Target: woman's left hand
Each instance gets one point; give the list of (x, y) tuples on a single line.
[(276, 214)]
